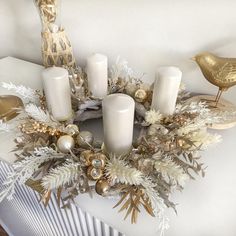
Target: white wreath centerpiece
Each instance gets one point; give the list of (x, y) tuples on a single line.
[(164, 156)]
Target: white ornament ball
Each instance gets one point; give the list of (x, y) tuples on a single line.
[(65, 143), (84, 138)]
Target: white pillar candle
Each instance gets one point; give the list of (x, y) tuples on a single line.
[(97, 75), (118, 122), (166, 89), (58, 93)]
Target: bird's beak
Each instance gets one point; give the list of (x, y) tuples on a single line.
[(193, 58)]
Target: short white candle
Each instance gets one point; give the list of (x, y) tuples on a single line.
[(97, 75), (58, 93), (166, 89), (118, 122)]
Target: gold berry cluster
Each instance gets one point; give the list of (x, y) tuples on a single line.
[(38, 127)]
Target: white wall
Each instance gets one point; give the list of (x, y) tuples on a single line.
[(148, 34)]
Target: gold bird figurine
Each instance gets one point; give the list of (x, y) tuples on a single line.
[(218, 71)]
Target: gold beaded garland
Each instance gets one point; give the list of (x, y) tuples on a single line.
[(38, 127)]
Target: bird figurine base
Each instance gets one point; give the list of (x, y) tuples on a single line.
[(222, 106), (9, 107)]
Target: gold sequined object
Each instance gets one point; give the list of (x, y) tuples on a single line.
[(95, 163), (219, 71)]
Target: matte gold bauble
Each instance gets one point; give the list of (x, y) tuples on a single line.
[(85, 138), (140, 95), (102, 187), (85, 157), (72, 129), (65, 143), (9, 105), (94, 173)]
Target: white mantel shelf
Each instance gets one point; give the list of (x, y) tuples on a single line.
[(203, 204)]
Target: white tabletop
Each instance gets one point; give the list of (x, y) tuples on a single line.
[(206, 207)]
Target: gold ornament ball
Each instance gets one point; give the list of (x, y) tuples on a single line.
[(72, 129), (102, 187), (65, 143), (85, 157), (84, 138), (140, 95), (94, 173)]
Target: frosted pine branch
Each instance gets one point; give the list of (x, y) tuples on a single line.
[(171, 170), (40, 115), (26, 93), (157, 202), (61, 176), (118, 171), (23, 170)]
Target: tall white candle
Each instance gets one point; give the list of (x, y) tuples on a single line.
[(57, 91), (118, 122), (166, 89), (97, 75)]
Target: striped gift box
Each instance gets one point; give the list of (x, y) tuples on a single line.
[(25, 216)]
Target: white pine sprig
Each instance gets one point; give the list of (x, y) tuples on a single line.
[(23, 170), (156, 201), (26, 93), (118, 171), (40, 115), (171, 170), (61, 176)]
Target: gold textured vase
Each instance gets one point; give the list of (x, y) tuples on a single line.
[(9, 107)]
